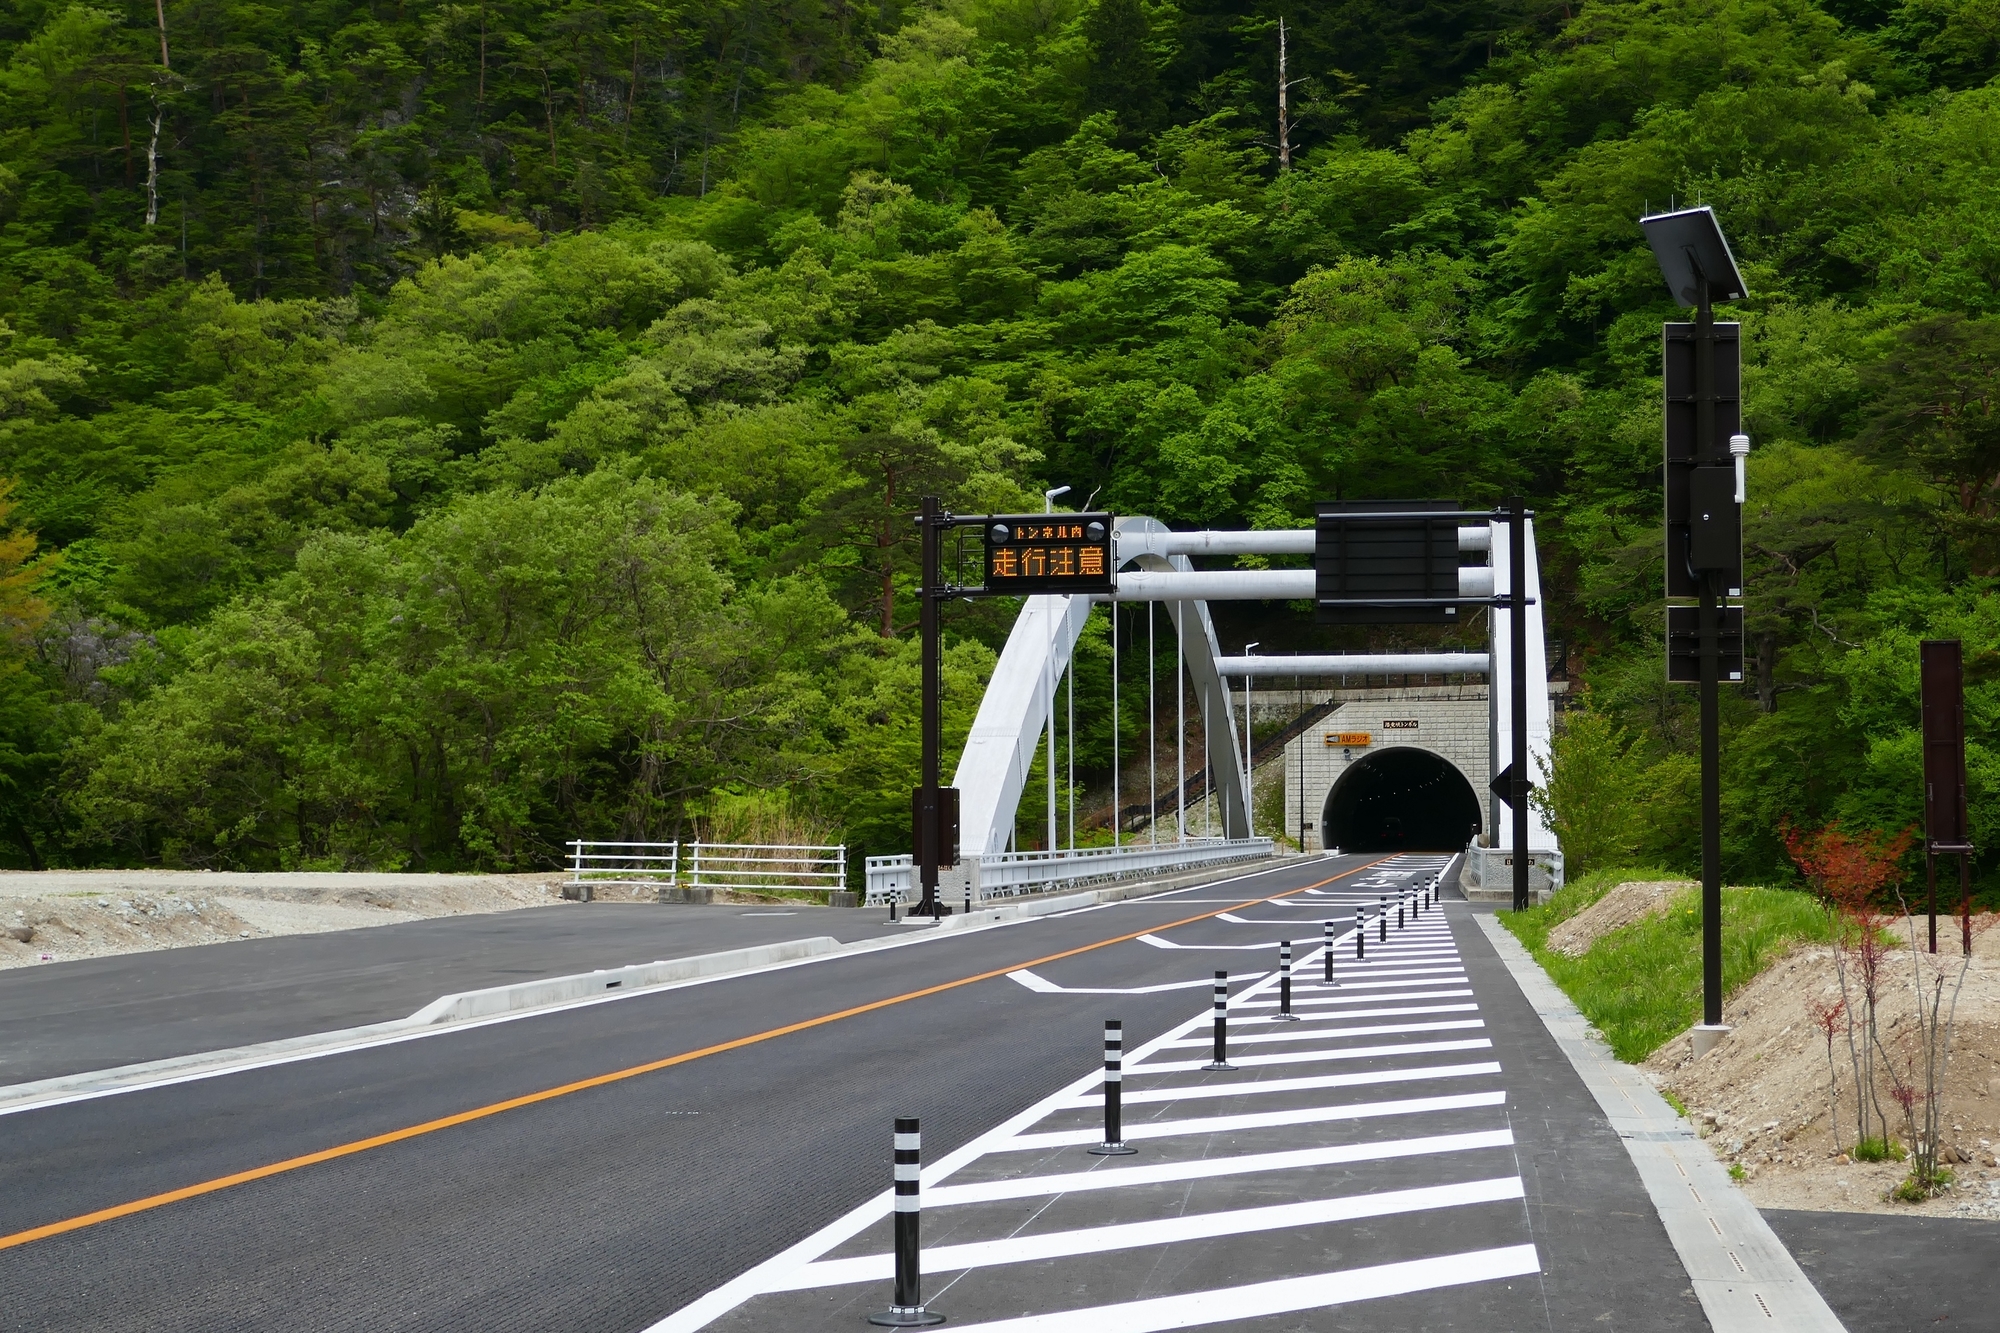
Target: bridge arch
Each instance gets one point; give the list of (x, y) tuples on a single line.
[(1400, 798), (1012, 718)]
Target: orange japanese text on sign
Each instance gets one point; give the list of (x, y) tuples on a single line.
[(1348, 738)]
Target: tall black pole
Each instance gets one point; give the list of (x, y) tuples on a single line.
[(1708, 453), (928, 831), (1517, 667)]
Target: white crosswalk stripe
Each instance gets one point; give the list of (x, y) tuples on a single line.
[(1241, 1132)]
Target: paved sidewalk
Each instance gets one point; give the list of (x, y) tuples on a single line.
[(1415, 1145)]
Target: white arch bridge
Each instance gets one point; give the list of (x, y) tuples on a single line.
[(1019, 715)]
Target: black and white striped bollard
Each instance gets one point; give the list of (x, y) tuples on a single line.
[(1285, 1014), (908, 1311), (1327, 952), (1114, 1093), (1382, 918), (1220, 1064), (1360, 933), (1401, 898)]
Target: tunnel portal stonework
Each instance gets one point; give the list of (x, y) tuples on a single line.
[(1449, 721)]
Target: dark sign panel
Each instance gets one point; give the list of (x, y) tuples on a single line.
[(934, 821), (1374, 567), (1943, 674), (1703, 520), (1684, 644), (1029, 553)]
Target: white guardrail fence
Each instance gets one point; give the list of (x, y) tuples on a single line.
[(1010, 874), (709, 865)]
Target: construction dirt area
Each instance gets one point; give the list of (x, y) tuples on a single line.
[(1768, 1099), (59, 915)]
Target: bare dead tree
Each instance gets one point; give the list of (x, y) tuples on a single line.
[(1285, 86)]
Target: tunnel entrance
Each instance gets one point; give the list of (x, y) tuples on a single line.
[(1400, 800)]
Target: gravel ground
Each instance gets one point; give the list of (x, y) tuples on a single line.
[(58, 915)]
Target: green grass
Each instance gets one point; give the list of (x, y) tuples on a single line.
[(1641, 986)]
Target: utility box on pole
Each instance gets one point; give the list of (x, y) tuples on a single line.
[(1702, 370), (1945, 828)]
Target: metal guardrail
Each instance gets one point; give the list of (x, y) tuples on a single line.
[(743, 865), (1010, 874), (656, 863), (709, 865)]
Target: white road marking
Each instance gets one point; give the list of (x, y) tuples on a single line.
[(1074, 1182), (1367, 1078), (1044, 986), (1286, 1295), (1303, 1057), (1166, 1231), (1225, 1124), (1327, 997), (1321, 1034)]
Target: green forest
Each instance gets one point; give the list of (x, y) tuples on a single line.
[(436, 430)]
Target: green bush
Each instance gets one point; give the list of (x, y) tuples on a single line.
[(1641, 985)]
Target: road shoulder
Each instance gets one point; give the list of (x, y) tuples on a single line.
[(1740, 1270)]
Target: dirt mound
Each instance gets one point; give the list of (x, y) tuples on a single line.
[(1628, 903), (1761, 1096), (58, 915)]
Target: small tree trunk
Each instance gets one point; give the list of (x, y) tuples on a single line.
[(153, 169), (1767, 672), (1284, 109)]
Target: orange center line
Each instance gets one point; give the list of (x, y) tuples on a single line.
[(152, 1201)]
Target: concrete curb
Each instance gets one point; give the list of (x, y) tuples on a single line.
[(497, 1004), (1743, 1274), (588, 985)]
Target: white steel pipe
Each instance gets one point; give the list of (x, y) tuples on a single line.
[(1271, 541), (1253, 585), (1358, 664), (1214, 585)]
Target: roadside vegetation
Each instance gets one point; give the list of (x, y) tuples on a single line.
[(1641, 984), (437, 432)]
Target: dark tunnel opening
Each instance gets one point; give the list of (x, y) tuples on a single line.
[(1400, 800)]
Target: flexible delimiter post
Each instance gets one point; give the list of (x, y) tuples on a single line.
[(1114, 1093), (908, 1310), (1221, 1061)]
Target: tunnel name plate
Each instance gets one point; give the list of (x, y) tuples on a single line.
[(1399, 724)]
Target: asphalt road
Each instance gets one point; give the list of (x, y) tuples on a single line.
[(611, 1206), (97, 1013)]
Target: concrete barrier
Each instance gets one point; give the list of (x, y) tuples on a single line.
[(584, 985)]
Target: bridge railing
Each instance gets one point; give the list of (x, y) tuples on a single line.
[(653, 863), (708, 865), (998, 875), (744, 865)]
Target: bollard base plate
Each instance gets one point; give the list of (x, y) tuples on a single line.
[(1111, 1150), (906, 1317), (1214, 1067), (1284, 1018)]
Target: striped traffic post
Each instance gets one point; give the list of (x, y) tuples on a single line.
[(1401, 898), (1114, 1093), (1360, 933), (1327, 952), (1285, 1014), (1221, 1063), (1382, 917), (908, 1311)]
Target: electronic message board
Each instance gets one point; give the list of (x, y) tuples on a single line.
[(1030, 553)]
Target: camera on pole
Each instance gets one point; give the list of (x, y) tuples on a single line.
[(1702, 369)]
